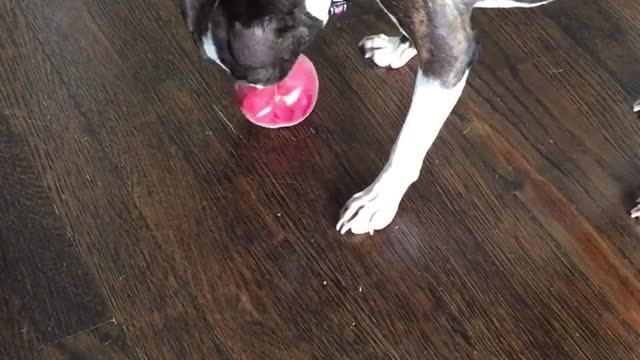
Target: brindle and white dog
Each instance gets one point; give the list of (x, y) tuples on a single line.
[(257, 41)]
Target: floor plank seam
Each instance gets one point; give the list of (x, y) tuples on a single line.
[(110, 321)]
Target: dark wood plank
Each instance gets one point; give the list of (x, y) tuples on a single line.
[(175, 229), (47, 290), (104, 341), (112, 235)]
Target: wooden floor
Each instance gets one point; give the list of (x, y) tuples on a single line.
[(141, 217)]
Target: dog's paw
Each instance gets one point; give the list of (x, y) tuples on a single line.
[(387, 51), (370, 210)]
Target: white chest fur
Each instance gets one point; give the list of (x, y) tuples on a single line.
[(210, 49), (319, 9)]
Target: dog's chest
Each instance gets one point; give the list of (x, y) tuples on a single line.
[(320, 9)]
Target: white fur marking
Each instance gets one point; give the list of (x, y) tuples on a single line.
[(507, 4), (387, 51), (375, 207), (635, 212), (210, 49), (319, 9)]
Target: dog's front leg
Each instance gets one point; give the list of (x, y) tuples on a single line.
[(438, 87), (375, 207)]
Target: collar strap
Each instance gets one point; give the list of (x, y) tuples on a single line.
[(338, 7)]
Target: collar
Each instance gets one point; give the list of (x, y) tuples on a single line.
[(338, 7)]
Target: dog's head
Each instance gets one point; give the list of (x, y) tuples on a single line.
[(257, 41)]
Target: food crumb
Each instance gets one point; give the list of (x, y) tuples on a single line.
[(324, 282), (360, 288), (279, 214)]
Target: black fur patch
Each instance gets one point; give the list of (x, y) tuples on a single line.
[(257, 40)]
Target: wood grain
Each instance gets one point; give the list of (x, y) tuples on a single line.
[(141, 217)]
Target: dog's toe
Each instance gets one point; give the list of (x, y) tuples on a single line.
[(374, 41), (368, 211), (405, 56), (387, 51)]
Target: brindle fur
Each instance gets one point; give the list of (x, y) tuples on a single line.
[(441, 33), (440, 30)]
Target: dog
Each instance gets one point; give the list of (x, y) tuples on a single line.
[(257, 41)]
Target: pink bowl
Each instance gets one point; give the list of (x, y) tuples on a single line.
[(284, 104)]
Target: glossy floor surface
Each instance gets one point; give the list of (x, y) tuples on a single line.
[(141, 217)]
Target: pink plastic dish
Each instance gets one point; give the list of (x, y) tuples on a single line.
[(284, 104)]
